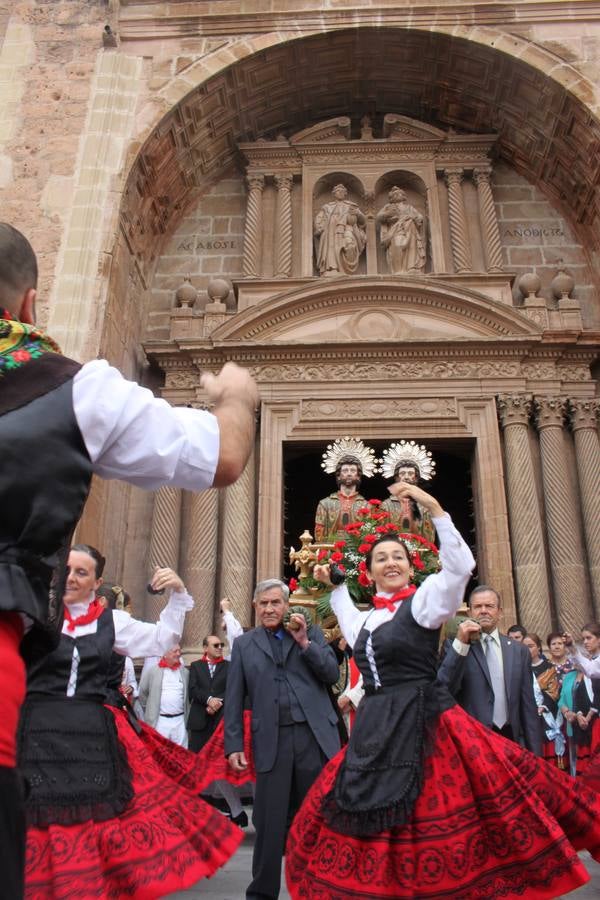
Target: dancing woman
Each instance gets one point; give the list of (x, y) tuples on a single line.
[(105, 819), (424, 801)]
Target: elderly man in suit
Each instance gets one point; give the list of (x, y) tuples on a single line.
[(164, 696), (284, 673), (490, 676)]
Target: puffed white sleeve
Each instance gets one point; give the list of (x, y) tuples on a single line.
[(134, 436), (589, 667), (135, 638), (233, 629), (440, 595), (350, 619)]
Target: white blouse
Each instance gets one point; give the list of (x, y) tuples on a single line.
[(435, 601), (134, 436), (132, 637)]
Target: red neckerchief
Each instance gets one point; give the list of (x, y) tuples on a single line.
[(94, 611), (211, 661), (167, 665), (390, 602)]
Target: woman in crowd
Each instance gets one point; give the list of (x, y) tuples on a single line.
[(424, 801), (104, 819), (546, 689), (558, 655), (576, 703)]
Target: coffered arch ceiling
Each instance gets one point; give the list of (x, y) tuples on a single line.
[(546, 133)]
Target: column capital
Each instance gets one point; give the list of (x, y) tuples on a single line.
[(513, 409), (584, 414), (454, 175), (482, 174), (255, 181), (550, 412), (284, 181)]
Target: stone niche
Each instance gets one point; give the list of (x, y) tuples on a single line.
[(415, 201)]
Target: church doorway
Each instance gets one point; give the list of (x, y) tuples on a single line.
[(305, 483)]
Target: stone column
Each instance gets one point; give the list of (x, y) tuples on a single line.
[(584, 421), (564, 538), (238, 543), (525, 521), (283, 247), (253, 230), (199, 550), (459, 233), (164, 542), (492, 244)]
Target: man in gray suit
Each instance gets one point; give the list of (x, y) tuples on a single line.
[(164, 696), (284, 673), (491, 677)]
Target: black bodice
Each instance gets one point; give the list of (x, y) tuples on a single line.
[(50, 676), (380, 777), (405, 652), (44, 481)]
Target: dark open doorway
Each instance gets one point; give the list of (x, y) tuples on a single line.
[(305, 483)]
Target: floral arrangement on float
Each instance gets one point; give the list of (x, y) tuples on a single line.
[(349, 555)]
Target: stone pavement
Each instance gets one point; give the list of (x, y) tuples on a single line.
[(231, 881)]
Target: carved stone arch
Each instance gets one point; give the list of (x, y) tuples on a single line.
[(343, 310)]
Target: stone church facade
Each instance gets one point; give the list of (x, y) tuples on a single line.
[(176, 166)]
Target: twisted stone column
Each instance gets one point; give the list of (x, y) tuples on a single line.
[(283, 250), (164, 542), (584, 421), (459, 233), (492, 244), (238, 543), (253, 230), (525, 521), (200, 521), (564, 537)]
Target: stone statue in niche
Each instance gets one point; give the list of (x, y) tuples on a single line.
[(402, 235), (340, 234)]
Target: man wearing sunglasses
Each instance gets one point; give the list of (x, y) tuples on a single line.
[(208, 678)]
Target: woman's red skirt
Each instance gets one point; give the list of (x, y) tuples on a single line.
[(492, 820), (166, 840)]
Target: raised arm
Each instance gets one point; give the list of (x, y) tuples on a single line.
[(134, 436), (135, 638), (441, 594)]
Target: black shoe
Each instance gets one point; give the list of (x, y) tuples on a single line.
[(241, 819)]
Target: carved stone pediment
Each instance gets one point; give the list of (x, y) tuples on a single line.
[(337, 129), (402, 128), (375, 309)]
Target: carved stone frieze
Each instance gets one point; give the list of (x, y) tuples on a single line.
[(550, 412), (584, 414), (539, 371), (574, 373), (384, 371), (189, 379), (384, 408), (513, 409)]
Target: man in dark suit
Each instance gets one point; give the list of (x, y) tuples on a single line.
[(284, 673), (491, 677), (206, 691)]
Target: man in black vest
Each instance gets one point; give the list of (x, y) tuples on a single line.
[(59, 423)]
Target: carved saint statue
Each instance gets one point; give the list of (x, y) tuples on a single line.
[(349, 459), (402, 235), (410, 462), (340, 234)]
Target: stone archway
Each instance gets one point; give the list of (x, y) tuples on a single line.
[(255, 88)]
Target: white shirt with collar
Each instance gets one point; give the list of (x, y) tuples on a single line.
[(172, 699), (463, 649), (132, 637), (435, 601)]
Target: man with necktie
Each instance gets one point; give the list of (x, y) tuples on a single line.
[(284, 672), (491, 678)]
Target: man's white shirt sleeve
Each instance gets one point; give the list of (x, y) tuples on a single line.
[(134, 436)]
